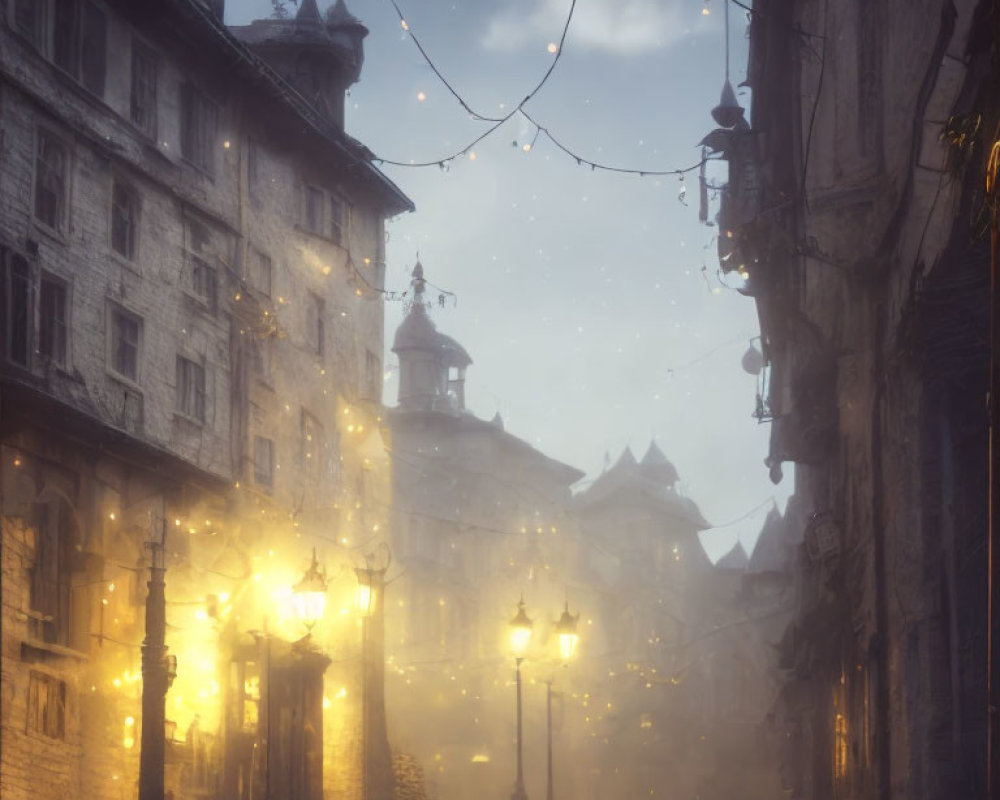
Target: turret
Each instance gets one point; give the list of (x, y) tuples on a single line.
[(319, 59), (431, 365)]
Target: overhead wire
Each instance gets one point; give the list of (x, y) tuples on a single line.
[(497, 121), (518, 109)]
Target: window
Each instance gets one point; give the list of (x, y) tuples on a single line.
[(315, 200), (338, 220), (49, 593), (204, 251), (191, 388), (203, 281), (326, 214), (125, 328), (260, 358), (46, 705), (51, 173), (311, 441), (198, 126), (79, 42), (315, 332), (143, 98), (124, 219), (17, 310), (373, 376), (263, 461), (52, 328), (259, 272)]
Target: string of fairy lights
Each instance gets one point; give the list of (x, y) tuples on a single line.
[(556, 49)]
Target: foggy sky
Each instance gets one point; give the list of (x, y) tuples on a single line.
[(581, 297)]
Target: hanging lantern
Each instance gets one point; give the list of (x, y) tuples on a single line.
[(752, 361), (728, 113)]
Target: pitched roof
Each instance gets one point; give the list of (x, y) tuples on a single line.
[(656, 466), (736, 559), (769, 553), (629, 483)]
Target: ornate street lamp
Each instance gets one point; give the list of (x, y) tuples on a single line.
[(520, 632), (376, 758), (566, 631), (568, 640), (520, 635), (309, 595)]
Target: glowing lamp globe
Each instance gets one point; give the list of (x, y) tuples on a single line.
[(365, 596), (566, 631), (309, 595), (520, 631)]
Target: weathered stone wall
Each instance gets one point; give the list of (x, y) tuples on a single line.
[(882, 189), (119, 455)]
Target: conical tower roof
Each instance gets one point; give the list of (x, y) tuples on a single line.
[(309, 13), (657, 467)]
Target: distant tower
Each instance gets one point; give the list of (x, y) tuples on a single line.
[(431, 365)]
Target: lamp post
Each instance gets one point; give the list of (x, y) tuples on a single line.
[(520, 635), (155, 678), (377, 781), (568, 640)]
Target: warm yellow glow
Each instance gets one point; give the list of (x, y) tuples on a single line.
[(553, 47), (519, 638), (365, 599), (520, 631), (567, 645), (342, 693), (840, 747), (480, 758), (326, 702), (128, 742), (129, 722), (309, 606), (421, 96)]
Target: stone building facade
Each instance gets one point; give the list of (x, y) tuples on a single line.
[(672, 676), (856, 217), (479, 517), (191, 252)]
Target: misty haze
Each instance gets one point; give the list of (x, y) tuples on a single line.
[(563, 399)]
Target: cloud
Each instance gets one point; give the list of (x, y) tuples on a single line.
[(619, 27)]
